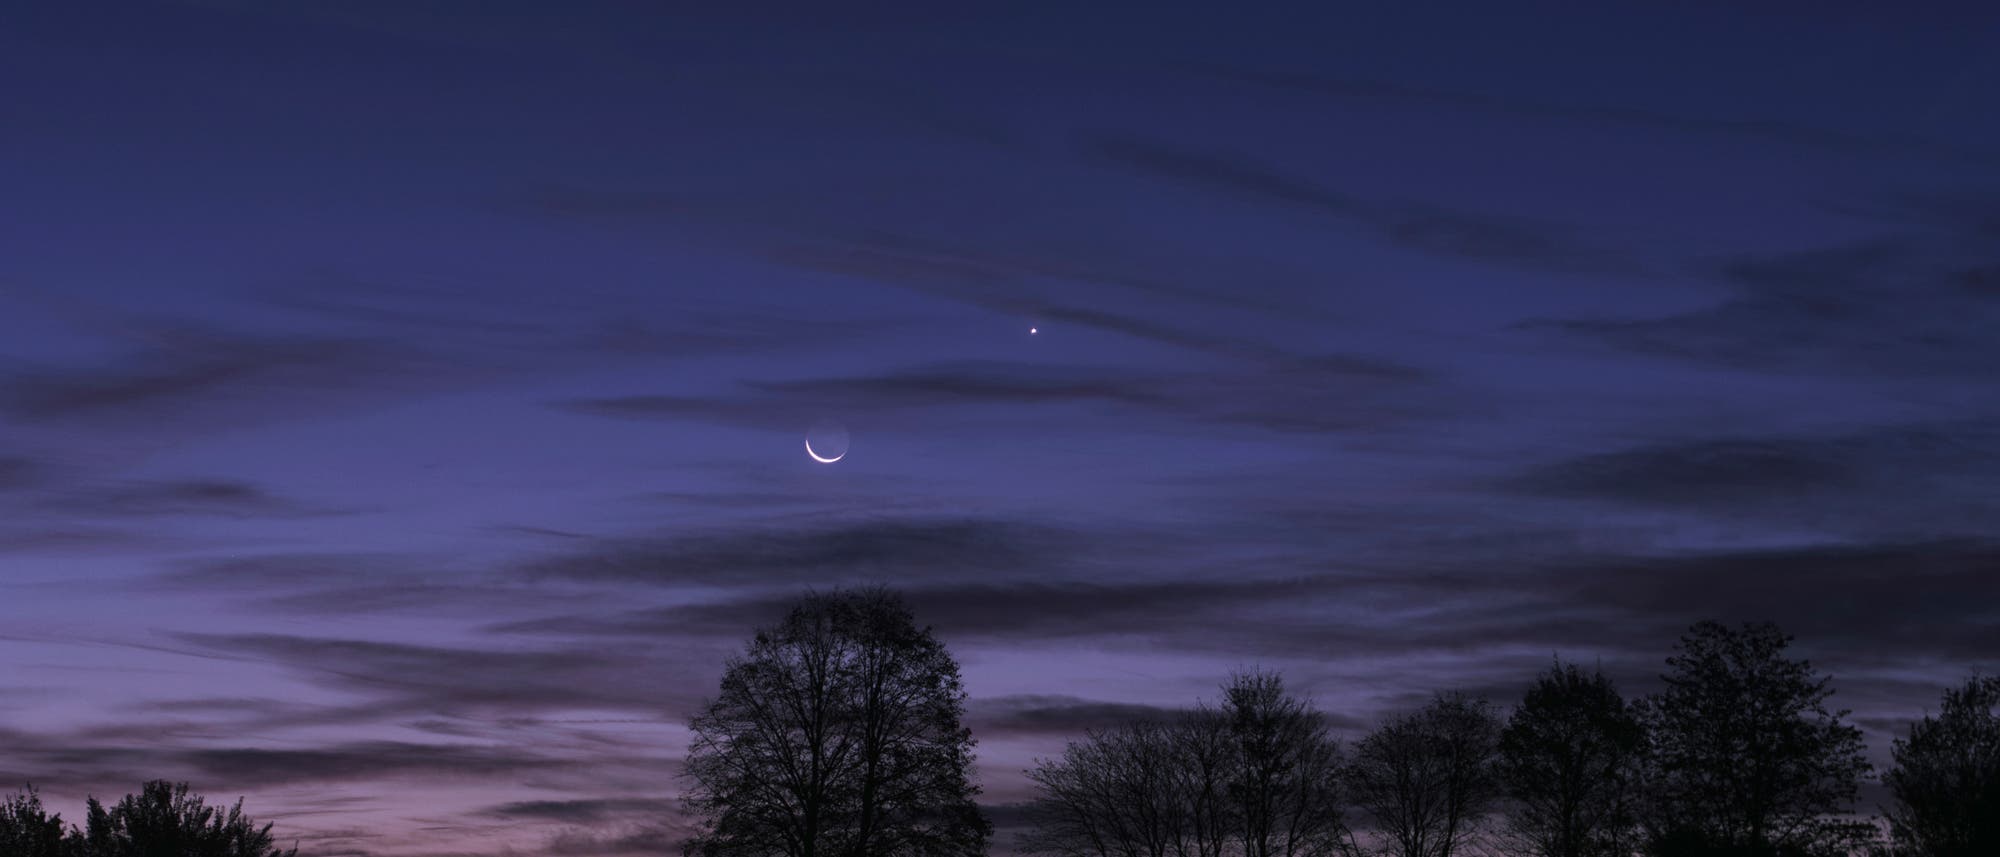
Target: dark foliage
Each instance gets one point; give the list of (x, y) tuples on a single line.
[(1946, 779), (1428, 778), (26, 830), (1569, 763), (168, 820), (1744, 758), (837, 734)]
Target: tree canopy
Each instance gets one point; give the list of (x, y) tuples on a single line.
[(165, 819), (837, 734), (1427, 777), (1258, 776), (1569, 763), (1286, 784), (27, 830), (1945, 782), (1744, 756), (1141, 789)]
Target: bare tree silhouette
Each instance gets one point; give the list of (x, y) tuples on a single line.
[(1139, 790), (1205, 759), (1945, 782), (168, 820), (1744, 757), (1427, 778), (1257, 776), (26, 830), (1286, 786), (837, 734), (1569, 760)]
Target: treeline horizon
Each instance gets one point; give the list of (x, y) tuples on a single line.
[(838, 732), (162, 819)]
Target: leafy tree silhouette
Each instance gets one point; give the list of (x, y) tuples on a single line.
[(837, 734), (1428, 778), (1945, 782), (26, 830), (168, 820), (1744, 757), (1569, 763)]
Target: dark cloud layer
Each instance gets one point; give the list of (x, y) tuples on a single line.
[(332, 584), (1695, 473), (1897, 305), (186, 371), (226, 497), (980, 385), (1424, 228), (1784, 134), (591, 811), (900, 550), (1933, 464), (1022, 611), (1628, 604), (1065, 716), (18, 472), (1308, 394), (81, 765), (1870, 603), (1048, 285), (439, 679)]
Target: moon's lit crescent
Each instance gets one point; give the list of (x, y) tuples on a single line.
[(817, 457)]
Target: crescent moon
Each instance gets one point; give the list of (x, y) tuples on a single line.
[(819, 458)]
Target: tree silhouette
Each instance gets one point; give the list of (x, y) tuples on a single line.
[(837, 734), (1427, 778), (167, 820), (1744, 758), (1945, 782), (1569, 763), (1139, 790), (1257, 776), (1286, 785), (26, 830), (1205, 763)]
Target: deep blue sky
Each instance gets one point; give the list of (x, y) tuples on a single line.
[(401, 403)]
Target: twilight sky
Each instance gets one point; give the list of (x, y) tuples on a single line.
[(401, 402)]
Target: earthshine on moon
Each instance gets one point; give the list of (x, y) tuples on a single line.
[(826, 442), (820, 458)]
